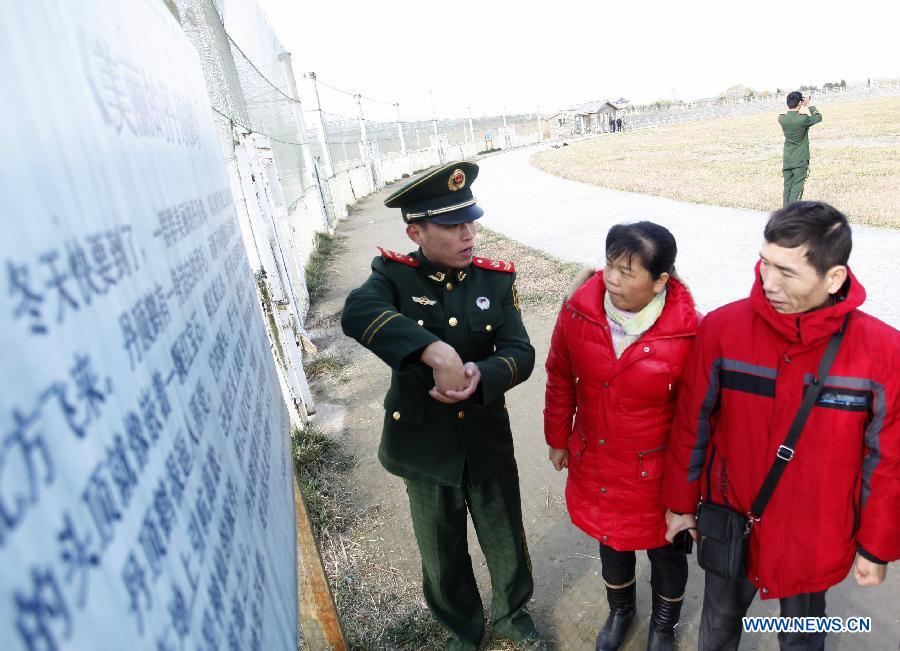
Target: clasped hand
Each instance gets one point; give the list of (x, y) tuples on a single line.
[(454, 381)]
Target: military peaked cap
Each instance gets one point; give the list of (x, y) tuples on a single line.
[(443, 195)]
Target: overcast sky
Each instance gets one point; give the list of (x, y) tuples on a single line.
[(493, 54)]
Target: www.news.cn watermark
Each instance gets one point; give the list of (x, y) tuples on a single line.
[(807, 625)]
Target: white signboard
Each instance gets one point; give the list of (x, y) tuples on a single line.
[(145, 470)]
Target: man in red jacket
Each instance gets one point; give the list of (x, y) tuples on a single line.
[(839, 497)]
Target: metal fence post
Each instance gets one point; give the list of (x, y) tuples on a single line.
[(364, 151), (433, 112), (310, 178), (320, 127), (297, 110), (403, 151), (400, 129)]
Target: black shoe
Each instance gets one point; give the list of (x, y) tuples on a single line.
[(662, 623), (621, 614)]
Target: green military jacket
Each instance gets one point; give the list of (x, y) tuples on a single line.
[(796, 136), (408, 303)]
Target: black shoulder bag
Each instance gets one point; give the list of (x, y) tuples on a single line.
[(722, 532)]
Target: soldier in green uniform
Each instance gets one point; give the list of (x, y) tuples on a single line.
[(448, 324), (795, 123)]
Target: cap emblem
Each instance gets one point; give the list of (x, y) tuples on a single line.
[(457, 180)]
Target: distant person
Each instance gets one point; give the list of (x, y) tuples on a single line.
[(618, 124), (615, 358), (795, 123), (488, 140), (612, 124)]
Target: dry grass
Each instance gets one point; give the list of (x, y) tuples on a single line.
[(542, 280), (324, 364), (380, 606), (736, 161), (316, 277)]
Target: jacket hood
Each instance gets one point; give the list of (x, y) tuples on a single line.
[(808, 327), (679, 316)]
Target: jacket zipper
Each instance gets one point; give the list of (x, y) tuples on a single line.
[(645, 452)]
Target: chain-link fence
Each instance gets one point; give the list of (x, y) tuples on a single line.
[(247, 80), (398, 127), (331, 145)]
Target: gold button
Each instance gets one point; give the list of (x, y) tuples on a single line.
[(396, 415), (421, 322), (461, 415), (488, 327), (452, 321), (449, 286), (603, 490)]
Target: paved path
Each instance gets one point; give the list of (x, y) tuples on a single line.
[(717, 246)]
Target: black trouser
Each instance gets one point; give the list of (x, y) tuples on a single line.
[(726, 602), (668, 569)]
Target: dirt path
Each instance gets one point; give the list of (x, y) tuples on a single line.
[(373, 563)]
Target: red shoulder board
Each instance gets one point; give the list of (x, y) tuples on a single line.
[(399, 257), (495, 265)]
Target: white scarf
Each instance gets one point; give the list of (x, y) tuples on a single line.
[(627, 327)]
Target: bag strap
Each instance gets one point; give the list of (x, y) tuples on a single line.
[(786, 450)]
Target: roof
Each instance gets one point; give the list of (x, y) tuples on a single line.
[(596, 106)]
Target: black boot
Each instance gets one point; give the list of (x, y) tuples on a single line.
[(621, 614), (662, 623)]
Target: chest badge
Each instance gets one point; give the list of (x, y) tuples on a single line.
[(423, 300), (483, 302)]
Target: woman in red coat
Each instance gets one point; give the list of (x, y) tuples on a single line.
[(615, 358)]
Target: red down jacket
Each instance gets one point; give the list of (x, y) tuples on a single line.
[(740, 391), (614, 415)]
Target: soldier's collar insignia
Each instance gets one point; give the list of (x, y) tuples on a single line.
[(423, 300), (457, 180), (483, 302), (438, 276), (460, 276)]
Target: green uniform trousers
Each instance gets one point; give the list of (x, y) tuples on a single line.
[(794, 178), (439, 522)]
